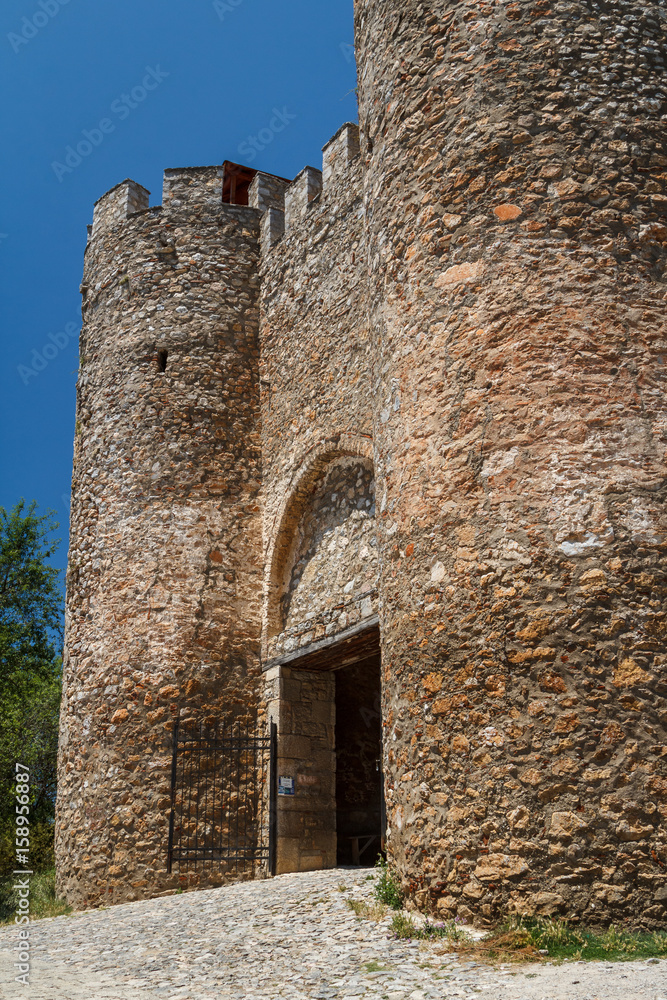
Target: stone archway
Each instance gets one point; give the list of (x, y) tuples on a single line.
[(281, 530)]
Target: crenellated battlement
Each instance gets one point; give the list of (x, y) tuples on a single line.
[(184, 190), (267, 192), (118, 204), (191, 188), (326, 187), (284, 204), (338, 155), (306, 187)]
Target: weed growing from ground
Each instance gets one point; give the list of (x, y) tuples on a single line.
[(403, 926), (387, 888)]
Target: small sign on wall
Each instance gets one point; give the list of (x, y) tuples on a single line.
[(285, 786)]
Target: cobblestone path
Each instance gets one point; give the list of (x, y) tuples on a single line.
[(294, 937)]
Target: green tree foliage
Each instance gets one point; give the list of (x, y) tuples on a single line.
[(30, 674)]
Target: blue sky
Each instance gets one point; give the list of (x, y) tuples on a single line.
[(218, 70)]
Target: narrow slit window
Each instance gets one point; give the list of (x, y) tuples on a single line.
[(162, 360)]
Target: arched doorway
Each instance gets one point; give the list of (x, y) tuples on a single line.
[(322, 667)]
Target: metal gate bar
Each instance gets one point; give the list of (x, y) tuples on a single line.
[(223, 788)]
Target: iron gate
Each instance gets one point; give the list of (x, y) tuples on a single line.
[(223, 806)]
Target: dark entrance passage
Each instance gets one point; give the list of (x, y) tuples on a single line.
[(325, 698), (358, 741)]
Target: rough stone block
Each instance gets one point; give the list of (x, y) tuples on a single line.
[(305, 187), (273, 226), (267, 192), (117, 205), (337, 158)]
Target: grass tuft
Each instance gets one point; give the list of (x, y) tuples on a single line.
[(557, 939), (404, 926), (536, 939), (518, 939), (372, 911), (43, 899)]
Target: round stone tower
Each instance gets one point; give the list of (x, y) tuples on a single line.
[(164, 575), (516, 211)]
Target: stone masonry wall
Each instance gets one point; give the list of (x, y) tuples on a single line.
[(516, 204), (314, 350), (164, 578)]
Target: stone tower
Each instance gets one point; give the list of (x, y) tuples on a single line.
[(163, 579), (516, 205)]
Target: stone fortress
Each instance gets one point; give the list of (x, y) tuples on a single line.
[(379, 453)]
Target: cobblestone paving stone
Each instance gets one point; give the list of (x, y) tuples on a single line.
[(293, 937)]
